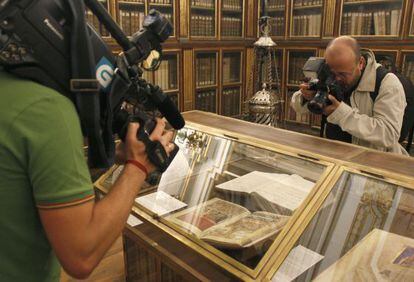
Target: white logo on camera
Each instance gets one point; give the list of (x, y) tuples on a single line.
[(104, 74)]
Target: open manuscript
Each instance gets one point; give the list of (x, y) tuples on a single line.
[(273, 192), (228, 225)]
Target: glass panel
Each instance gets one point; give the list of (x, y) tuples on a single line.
[(93, 20), (165, 7), (140, 264), (230, 101), (231, 18), (306, 18), (203, 18), (363, 232), (206, 69), (380, 17), (231, 67), (297, 60), (175, 99), (205, 100), (131, 15), (408, 67), (166, 75), (233, 196), (275, 9)]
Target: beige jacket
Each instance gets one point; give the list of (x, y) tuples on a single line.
[(374, 125)]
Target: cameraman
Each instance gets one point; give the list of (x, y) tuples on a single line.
[(47, 209), (357, 118)]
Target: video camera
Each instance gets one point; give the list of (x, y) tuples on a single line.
[(323, 82), (49, 41)]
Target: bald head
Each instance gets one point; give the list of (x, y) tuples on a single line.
[(344, 48)]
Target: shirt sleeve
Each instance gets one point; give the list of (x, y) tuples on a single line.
[(51, 136)]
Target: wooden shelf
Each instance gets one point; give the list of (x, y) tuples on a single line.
[(231, 84), (231, 11), (374, 2), (212, 9), (131, 3), (272, 10), (307, 7), (161, 5), (206, 87)]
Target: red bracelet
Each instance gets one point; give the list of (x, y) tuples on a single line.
[(139, 165)]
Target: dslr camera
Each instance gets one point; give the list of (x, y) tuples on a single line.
[(323, 82)]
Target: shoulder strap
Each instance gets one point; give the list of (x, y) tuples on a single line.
[(381, 73)]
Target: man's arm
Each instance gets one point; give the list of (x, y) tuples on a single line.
[(383, 128), (80, 235), (300, 98)]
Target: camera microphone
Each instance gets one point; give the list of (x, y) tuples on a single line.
[(166, 107)]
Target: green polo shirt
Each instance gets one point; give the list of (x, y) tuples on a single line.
[(41, 166)]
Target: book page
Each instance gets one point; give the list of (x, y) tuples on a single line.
[(160, 203), (206, 215), (286, 196), (245, 231), (250, 181), (298, 261)]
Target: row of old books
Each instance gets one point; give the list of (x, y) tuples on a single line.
[(371, 23), (206, 101), (232, 5), (131, 21), (231, 69), (277, 26), (206, 71), (295, 69), (93, 20), (231, 102), (134, 1), (231, 26), (299, 3), (307, 25), (160, 1), (202, 25), (409, 70), (166, 75), (203, 3), (276, 4)]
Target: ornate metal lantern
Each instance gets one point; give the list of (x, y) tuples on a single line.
[(266, 105)]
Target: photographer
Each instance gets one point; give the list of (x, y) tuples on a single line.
[(357, 118)]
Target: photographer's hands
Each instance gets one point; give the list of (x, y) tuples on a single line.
[(331, 108)]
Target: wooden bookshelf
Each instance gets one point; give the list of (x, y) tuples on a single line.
[(408, 65), (203, 19), (276, 10), (231, 90), (386, 58), (232, 18), (306, 18), (371, 18)]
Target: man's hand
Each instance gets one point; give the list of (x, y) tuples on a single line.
[(135, 149), (306, 93), (331, 108)]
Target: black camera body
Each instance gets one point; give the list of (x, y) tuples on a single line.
[(323, 82)]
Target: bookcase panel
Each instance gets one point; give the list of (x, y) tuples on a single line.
[(174, 97), (231, 67), (306, 18), (371, 18), (93, 20), (295, 63), (205, 100), (167, 74), (291, 115), (130, 15), (230, 101), (203, 18), (275, 9), (206, 69), (408, 66), (232, 18)]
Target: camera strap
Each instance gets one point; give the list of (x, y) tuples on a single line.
[(85, 88)]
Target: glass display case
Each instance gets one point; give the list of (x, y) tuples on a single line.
[(256, 203)]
